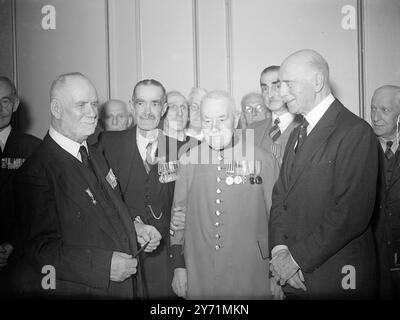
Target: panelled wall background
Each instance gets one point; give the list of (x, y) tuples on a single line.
[(216, 44)]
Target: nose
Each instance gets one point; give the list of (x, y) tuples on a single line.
[(215, 125), (91, 110), (253, 112), (148, 108), (375, 116), (114, 121), (282, 89), (179, 112)]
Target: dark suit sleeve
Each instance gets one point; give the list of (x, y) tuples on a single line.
[(354, 188), (40, 225), (277, 225)]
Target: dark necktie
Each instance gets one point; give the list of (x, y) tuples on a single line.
[(86, 159), (302, 135), (275, 132), (388, 152), (148, 162)]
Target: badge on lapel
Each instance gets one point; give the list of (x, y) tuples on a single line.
[(90, 194), (111, 179), (12, 163)]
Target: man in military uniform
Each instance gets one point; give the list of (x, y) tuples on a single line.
[(385, 113), (221, 204)]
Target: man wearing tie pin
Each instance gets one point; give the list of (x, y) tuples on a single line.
[(70, 212)]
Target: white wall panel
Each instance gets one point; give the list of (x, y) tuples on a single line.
[(265, 32)]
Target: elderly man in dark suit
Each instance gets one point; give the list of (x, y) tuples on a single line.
[(273, 133), (321, 240), (73, 219), (145, 162), (385, 114), (15, 148)]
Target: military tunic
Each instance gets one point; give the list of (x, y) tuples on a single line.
[(225, 236)]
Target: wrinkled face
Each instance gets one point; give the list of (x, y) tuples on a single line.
[(116, 116), (384, 114), (79, 113), (296, 87), (148, 105), (194, 110), (217, 122), (177, 112), (270, 91), (8, 104), (254, 109)]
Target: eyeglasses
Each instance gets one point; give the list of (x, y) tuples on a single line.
[(176, 108), (258, 109)]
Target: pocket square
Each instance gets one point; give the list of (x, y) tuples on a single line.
[(111, 179)]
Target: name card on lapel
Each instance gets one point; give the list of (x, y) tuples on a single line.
[(12, 163), (111, 179)]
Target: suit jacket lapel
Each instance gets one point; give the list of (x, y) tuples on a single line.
[(78, 186), (132, 151), (265, 132), (122, 210), (315, 140)]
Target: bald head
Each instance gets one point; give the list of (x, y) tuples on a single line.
[(115, 115), (253, 108), (304, 80), (385, 111), (73, 103), (8, 101), (219, 118)]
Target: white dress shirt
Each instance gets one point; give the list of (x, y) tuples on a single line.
[(71, 146), (142, 143), (317, 113), (394, 146), (4, 136), (312, 118), (284, 120)]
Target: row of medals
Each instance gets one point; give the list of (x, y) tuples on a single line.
[(168, 171), (242, 171)]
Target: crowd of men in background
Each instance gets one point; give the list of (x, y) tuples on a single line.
[(165, 204)]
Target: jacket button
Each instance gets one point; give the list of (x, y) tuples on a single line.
[(285, 207), (285, 237)]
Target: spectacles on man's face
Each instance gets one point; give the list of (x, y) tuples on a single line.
[(6, 102), (177, 107), (257, 109)]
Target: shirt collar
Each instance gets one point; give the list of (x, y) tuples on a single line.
[(4, 134), (71, 146), (284, 120), (394, 146), (142, 142), (318, 111)]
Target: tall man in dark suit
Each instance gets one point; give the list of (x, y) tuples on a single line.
[(74, 220), (321, 239), (15, 148), (385, 116), (145, 163), (273, 133)]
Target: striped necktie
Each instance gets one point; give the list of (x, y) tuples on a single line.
[(148, 162), (388, 152), (275, 132), (302, 135)]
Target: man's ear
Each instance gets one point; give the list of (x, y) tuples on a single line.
[(130, 120), (56, 108), (319, 81), (236, 119), (16, 104), (164, 109)]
